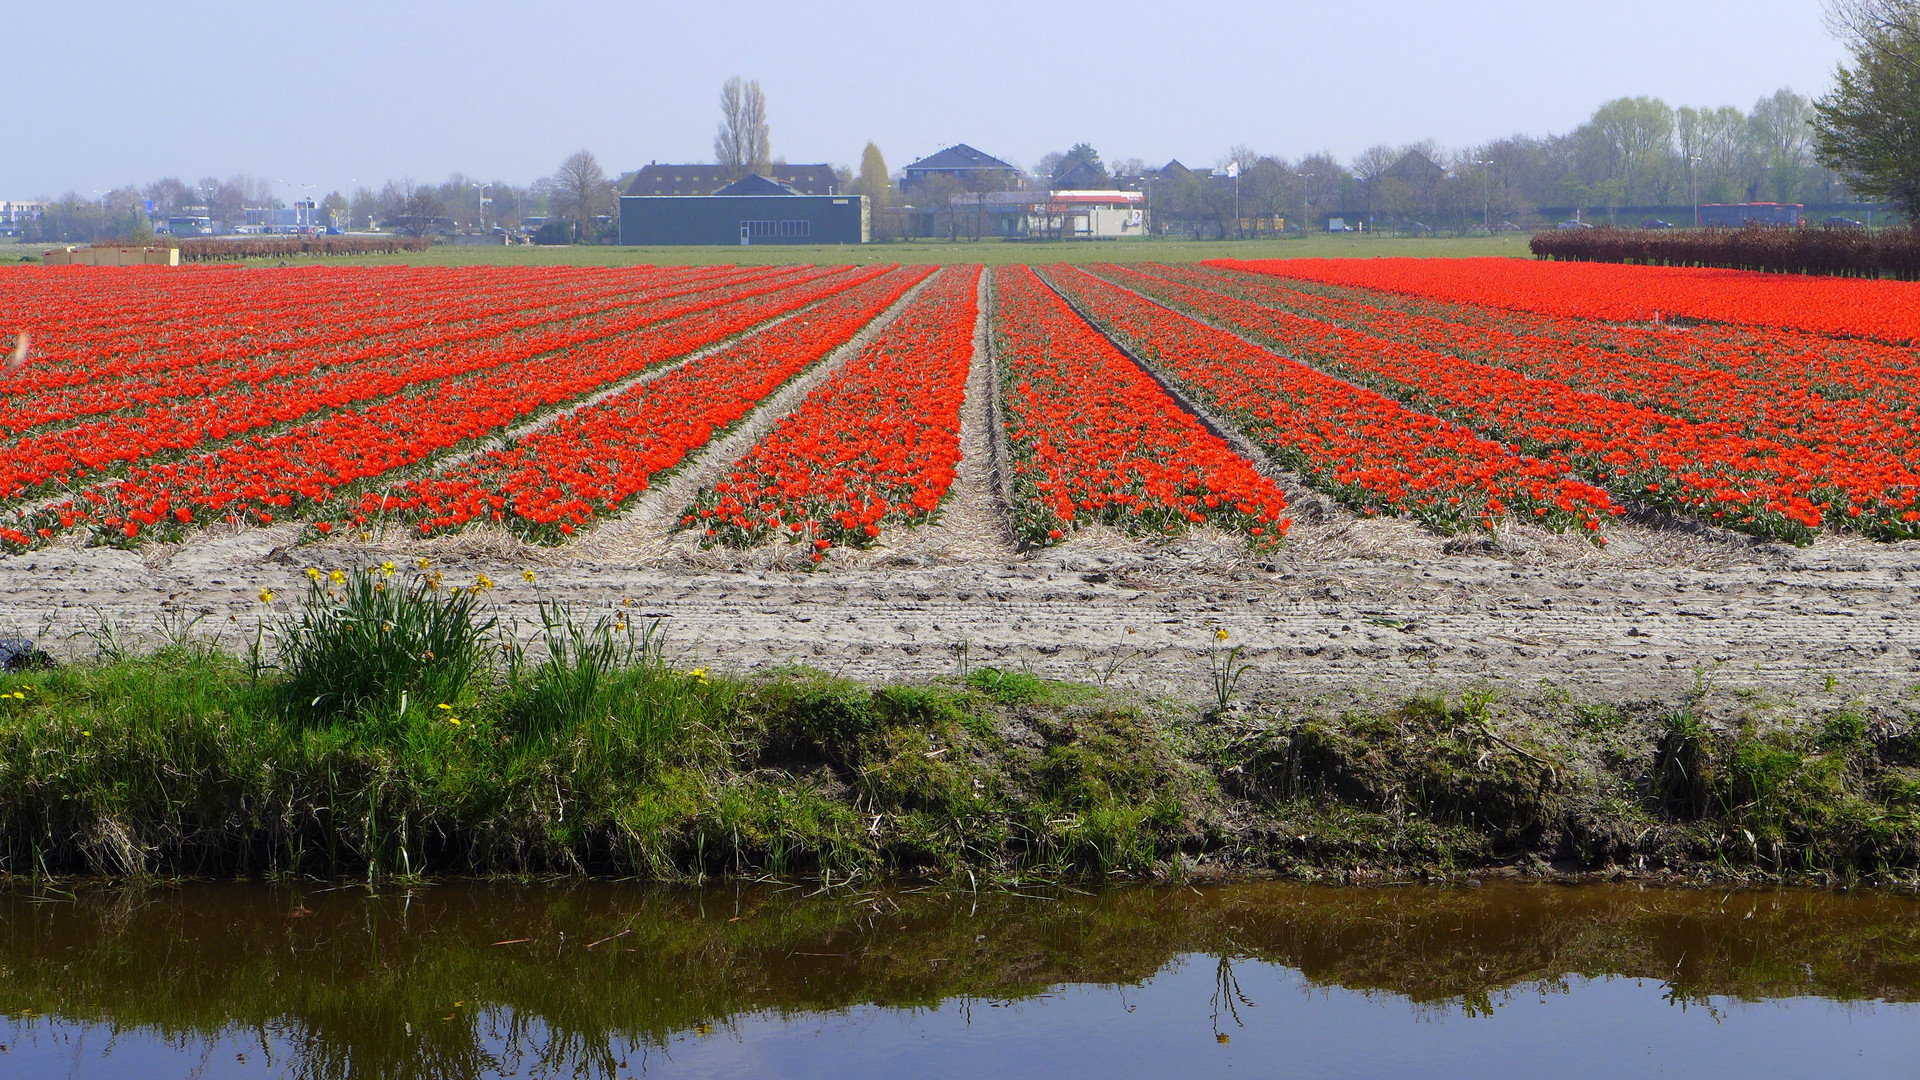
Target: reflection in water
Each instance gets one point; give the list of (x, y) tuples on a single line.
[(471, 980)]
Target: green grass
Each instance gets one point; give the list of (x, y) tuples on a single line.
[(991, 252), (387, 727)]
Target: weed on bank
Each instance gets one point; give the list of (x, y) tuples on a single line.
[(388, 724)]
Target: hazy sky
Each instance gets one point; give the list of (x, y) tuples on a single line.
[(94, 95)]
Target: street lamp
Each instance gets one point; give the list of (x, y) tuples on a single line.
[(1486, 210), (484, 188)]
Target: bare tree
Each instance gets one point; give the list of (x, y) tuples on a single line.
[(580, 191), (1886, 29), (743, 144)]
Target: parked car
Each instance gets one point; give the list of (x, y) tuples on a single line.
[(1656, 223), (1842, 223), (1573, 225), (1503, 226)]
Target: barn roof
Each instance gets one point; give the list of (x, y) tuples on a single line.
[(752, 184), (658, 179)]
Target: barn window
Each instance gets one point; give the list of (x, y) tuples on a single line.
[(796, 228)]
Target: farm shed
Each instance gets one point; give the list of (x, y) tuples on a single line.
[(754, 210)]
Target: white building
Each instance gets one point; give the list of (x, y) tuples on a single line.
[(17, 212), (1089, 215)]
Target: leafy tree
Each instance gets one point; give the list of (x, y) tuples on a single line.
[(1080, 153), (1865, 127), (335, 209), (873, 182), (1783, 135)]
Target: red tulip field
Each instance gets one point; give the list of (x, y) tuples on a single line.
[(1364, 450), (1454, 394)]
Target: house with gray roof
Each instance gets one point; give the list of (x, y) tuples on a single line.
[(974, 169)]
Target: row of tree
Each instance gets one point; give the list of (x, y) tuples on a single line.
[(578, 200), (1633, 153)]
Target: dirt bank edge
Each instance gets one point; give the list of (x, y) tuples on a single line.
[(186, 763)]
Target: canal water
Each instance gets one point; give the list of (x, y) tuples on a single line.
[(463, 980)]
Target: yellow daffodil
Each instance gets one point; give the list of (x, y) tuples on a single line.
[(422, 563), (338, 577), (528, 574), (313, 574), (266, 596), (1220, 634), (388, 568), (482, 582)]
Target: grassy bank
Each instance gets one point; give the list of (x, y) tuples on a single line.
[(394, 729)]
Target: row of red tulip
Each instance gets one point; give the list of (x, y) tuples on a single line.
[(1363, 448), (1886, 310), (95, 449), (311, 341), (126, 323), (1827, 453), (1094, 439), (303, 469), (1709, 470), (877, 444), (587, 464)]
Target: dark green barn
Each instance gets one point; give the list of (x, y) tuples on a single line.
[(751, 211)]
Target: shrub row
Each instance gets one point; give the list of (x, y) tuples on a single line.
[(214, 249), (1845, 252)]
